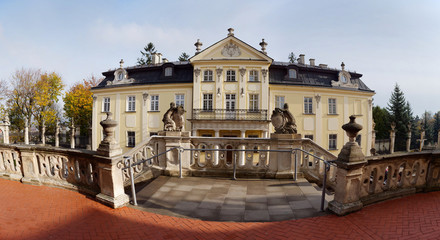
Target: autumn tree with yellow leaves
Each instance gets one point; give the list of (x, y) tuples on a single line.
[(78, 104)]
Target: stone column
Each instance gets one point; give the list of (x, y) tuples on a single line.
[(72, 135), (392, 137), (26, 131), (349, 172), (6, 133), (422, 140), (57, 134), (242, 154), (373, 140), (77, 136), (170, 161), (408, 140), (110, 175), (43, 132), (64, 134)]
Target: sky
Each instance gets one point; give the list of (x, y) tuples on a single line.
[(389, 42)]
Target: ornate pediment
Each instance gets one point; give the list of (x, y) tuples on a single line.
[(121, 77)]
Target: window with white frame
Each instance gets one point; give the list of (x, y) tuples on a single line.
[(253, 76), (332, 140), (207, 76), (207, 101), (180, 100), (308, 105), (131, 103), (131, 139), (106, 104), (332, 106), (168, 71), (253, 102), (230, 76), (279, 102), (154, 103), (292, 73)]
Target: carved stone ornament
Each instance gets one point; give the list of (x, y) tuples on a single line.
[(173, 119), (197, 72), (283, 121), (231, 50)]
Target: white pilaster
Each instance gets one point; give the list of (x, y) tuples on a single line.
[(118, 118), (95, 122), (346, 116)]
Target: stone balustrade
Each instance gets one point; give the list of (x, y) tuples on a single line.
[(71, 169)]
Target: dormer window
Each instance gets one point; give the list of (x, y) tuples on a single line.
[(343, 79), (168, 71), (292, 73)]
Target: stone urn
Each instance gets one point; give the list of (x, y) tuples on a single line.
[(109, 126), (352, 128)]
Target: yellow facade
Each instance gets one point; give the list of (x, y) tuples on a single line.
[(232, 92)]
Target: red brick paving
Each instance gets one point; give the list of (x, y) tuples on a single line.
[(40, 212)]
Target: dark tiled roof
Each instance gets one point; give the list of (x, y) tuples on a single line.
[(152, 74), (310, 76), (278, 74)]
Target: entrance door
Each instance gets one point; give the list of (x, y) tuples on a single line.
[(230, 106)]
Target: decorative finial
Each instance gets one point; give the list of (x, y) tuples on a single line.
[(121, 63), (198, 44), (263, 45), (352, 128), (343, 66), (231, 32)]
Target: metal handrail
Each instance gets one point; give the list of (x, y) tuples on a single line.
[(181, 150)]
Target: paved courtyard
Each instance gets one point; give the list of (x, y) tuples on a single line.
[(40, 212), (219, 199)]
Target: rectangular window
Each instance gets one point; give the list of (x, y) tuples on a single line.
[(131, 103), (131, 139), (106, 104), (308, 105), (207, 76), (180, 100), (332, 106), (230, 76), (207, 101), (253, 76), (332, 138), (253, 102), (309, 136), (154, 103), (279, 102)]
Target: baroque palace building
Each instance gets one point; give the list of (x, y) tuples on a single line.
[(230, 89)]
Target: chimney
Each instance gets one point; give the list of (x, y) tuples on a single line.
[(323, 65), (301, 59), (312, 62), (164, 60), (157, 58)]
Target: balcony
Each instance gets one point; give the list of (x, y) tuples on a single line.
[(224, 114)]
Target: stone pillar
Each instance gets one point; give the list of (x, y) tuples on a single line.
[(63, 134), (43, 132), (408, 140), (392, 137), (349, 172), (281, 164), (6, 133), (170, 161), (72, 135), (373, 140), (89, 143), (57, 134), (77, 136), (26, 131), (29, 166), (422, 140), (110, 176)]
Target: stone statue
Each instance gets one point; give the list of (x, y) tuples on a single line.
[(283, 121), (173, 118)]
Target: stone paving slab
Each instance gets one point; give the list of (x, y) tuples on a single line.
[(42, 212), (221, 199)]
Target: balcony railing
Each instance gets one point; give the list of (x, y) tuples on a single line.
[(224, 114)]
